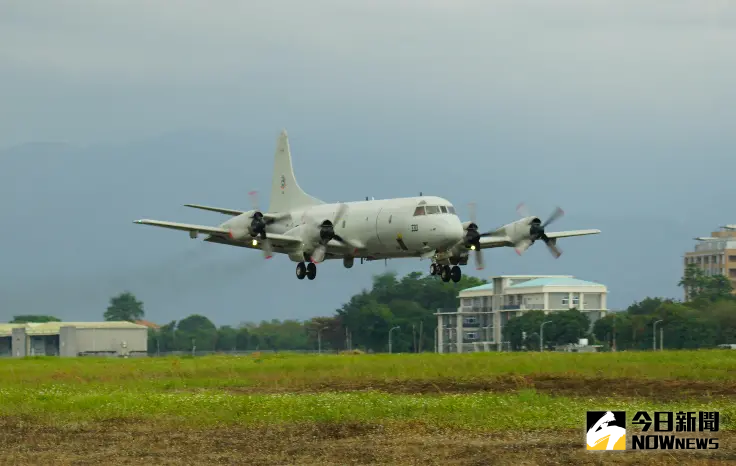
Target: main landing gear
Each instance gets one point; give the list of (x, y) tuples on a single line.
[(445, 272), (306, 270)]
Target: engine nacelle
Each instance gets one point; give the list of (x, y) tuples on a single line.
[(521, 229)]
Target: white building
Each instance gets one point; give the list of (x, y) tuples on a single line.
[(485, 309), (73, 339)]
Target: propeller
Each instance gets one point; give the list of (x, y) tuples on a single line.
[(258, 226), (536, 231), (326, 232), (472, 238)]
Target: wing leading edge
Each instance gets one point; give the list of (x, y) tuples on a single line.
[(281, 243)]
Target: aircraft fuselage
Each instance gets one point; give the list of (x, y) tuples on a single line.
[(385, 227)]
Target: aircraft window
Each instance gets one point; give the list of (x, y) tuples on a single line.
[(432, 209), (419, 210), (451, 209), (443, 209)]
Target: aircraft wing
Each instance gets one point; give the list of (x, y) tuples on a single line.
[(566, 234), (216, 231), (499, 241)]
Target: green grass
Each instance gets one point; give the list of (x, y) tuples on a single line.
[(295, 371), (524, 410), (195, 391)]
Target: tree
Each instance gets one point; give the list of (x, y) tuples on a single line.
[(566, 327), (198, 328), (33, 318), (124, 307), (227, 338), (701, 288)]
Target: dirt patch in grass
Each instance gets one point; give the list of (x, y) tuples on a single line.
[(139, 442), (661, 390)]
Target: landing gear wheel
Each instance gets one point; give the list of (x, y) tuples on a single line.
[(301, 270), (445, 274), (433, 269), (456, 274), (311, 271)]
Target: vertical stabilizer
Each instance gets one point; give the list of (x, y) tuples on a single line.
[(286, 195)]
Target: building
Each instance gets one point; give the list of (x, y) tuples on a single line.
[(484, 310), (73, 339), (715, 254)]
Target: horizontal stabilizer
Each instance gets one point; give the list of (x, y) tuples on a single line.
[(185, 227), (215, 209)]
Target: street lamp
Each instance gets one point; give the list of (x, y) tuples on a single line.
[(389, 338), (541, 335), (654, 335)]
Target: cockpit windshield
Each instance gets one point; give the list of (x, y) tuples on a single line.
[(434, 209)]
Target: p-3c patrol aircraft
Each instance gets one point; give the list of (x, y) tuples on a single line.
[(310, 231)]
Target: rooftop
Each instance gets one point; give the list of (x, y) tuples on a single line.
[(537, 281), (53, 328), (548, 281)]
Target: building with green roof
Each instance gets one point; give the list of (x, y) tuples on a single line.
[(477, 324)]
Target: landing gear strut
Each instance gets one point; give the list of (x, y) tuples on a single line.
[(434, 269), (308, 270)]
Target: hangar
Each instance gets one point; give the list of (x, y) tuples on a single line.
[(74, 339)]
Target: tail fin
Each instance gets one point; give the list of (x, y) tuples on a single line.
[(286, 195)]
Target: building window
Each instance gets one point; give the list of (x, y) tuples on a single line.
[(471, 336), (470, 321), (565, 300), (575, 299)]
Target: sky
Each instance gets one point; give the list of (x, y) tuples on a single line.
[(621, 112)]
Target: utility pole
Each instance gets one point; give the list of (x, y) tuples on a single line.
[(389, 338), (654, 335), (614, 334), (319, 339), (421, 324), (194, 347), (414, 338), (541, 335), (661, 338)]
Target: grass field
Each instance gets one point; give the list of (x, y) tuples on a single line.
[(482, 408)]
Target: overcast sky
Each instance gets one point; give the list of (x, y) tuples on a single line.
[(623, 112)]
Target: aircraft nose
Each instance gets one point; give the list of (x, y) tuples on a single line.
[(451, 230)]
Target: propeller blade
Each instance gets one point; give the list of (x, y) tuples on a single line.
[(479, 259), (522, 210), (522, 246), (555, 215), (552, 246), (341, 211), (553, 249), (472, 209), (254, 199), (319, 254), (267, 249)]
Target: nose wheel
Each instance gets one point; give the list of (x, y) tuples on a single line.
[(306, 270)]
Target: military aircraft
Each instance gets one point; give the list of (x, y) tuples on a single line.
[(310, 231)]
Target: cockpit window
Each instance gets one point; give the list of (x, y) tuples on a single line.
[(443, 209), (451, 209), (433, 209), (419, 210)]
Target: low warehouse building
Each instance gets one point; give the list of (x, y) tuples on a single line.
[(73, 339)]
